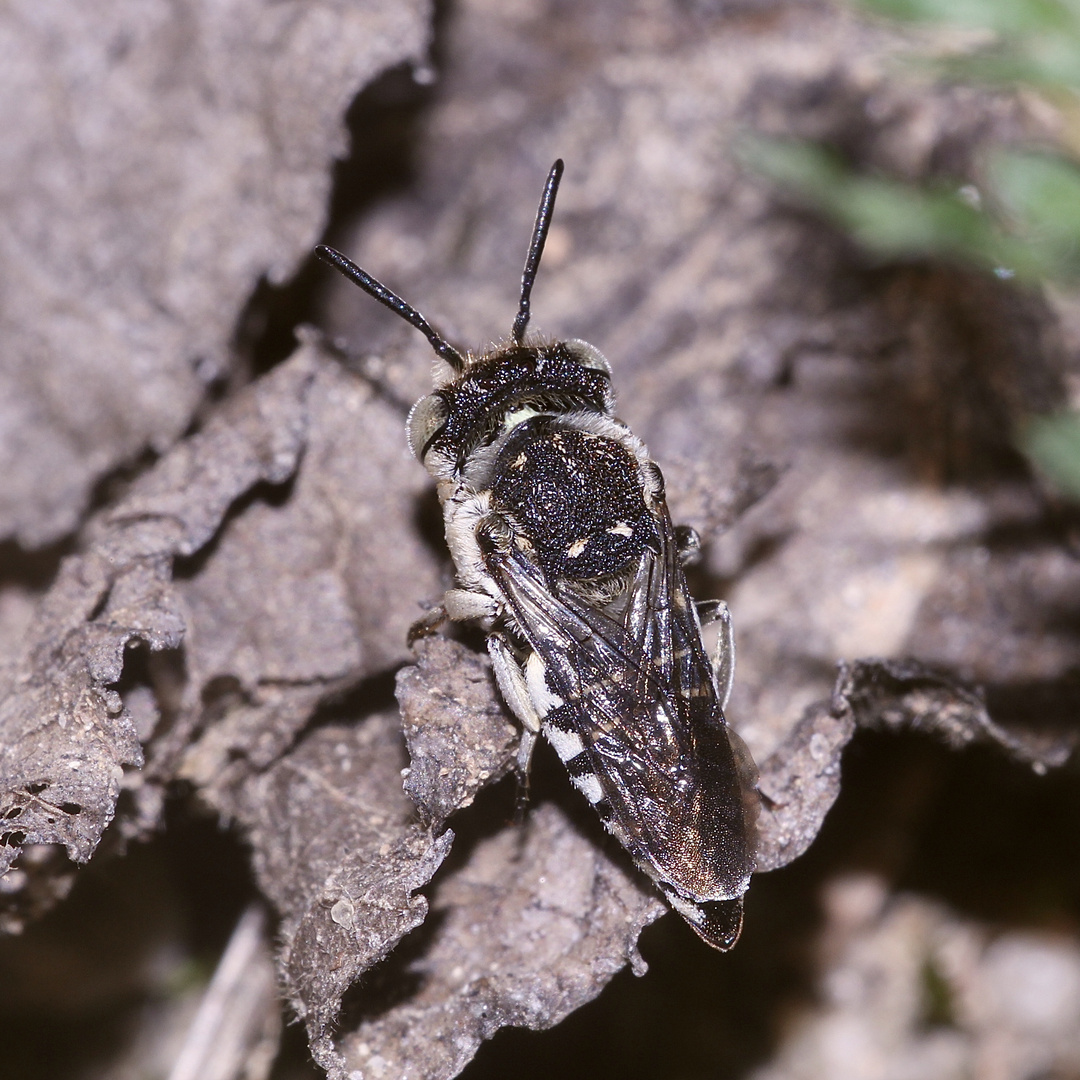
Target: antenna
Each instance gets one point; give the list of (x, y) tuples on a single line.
[(536, 248), (394, 302)]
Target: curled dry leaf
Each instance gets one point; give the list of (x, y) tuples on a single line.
[(159, 161), (800, 781), (66, 734), (531, 926), (457, 731), (337, 850), (305, 593), (894, 695)]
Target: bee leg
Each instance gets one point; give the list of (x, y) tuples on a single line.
[(426, 626), (688, 545), (511, 680), (723, 660), (708, 611), (515, 692), (463, 604), (459, 605)]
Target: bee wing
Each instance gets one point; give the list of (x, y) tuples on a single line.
[(639, 694)]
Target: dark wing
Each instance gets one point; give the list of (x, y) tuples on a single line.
[(640, 695)]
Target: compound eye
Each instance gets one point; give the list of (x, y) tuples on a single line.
[(588, 356), (426, 417)]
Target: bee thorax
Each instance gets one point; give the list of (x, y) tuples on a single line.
[(578, 496)]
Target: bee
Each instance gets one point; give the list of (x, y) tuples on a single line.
[(564, 550)]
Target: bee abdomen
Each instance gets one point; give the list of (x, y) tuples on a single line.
[(568, 744)]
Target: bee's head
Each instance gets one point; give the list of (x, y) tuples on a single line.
[(501, 389), (495, 390)]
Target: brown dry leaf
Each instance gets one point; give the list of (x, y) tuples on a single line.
[(158, 161), (336, 852), (66, 734), (457, 731), (800, 780), (532, 926)]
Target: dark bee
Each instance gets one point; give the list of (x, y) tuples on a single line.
[(564, 548)]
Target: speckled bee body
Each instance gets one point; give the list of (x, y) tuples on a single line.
[(558, 526)]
